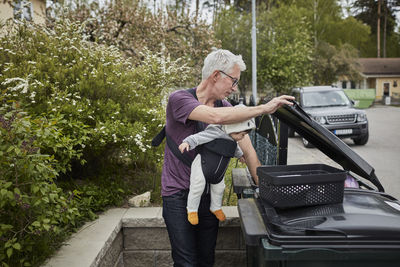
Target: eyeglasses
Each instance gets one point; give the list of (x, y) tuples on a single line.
[(234, 80)]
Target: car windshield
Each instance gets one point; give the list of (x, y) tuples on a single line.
[(325, 99)]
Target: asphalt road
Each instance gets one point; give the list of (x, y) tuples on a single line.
[(382, 151)]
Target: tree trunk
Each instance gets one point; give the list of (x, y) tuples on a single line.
[(315, 23), (384, 28), (183, 7), (197, 10), (378, 31)]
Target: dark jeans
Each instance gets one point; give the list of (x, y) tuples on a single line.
[(192, 245)]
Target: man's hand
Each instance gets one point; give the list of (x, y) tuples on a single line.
[(277, 102), (184, 146)]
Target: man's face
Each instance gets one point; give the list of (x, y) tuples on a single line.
[(226, 82)]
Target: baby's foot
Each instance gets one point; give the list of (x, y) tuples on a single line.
[(193, 218), (219, 214)]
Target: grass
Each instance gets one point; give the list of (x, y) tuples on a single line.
[(230, 198)]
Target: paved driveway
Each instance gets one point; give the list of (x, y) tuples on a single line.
[(382, 150)]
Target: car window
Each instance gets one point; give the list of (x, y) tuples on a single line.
[(325, 99)]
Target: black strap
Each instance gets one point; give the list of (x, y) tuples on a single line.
[(174, 149), (157, 140)]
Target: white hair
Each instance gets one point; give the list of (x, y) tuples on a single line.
[(221, 60)]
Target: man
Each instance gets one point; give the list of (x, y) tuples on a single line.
[(194, 245)]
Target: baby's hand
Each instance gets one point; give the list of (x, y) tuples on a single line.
[(184, 146), (242, 160)]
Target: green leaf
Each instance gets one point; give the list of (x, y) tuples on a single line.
[(46, 227), (17, 246), (35, 189), (9, 252), (16, 190), (6, 227), (3, 192)]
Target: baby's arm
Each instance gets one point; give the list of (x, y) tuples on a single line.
[(210, 133)]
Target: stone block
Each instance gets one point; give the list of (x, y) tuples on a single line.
[(139, 238), (142, 200), (139, 258), (120, 260), (163, 258), (143, 217), (113, 252)]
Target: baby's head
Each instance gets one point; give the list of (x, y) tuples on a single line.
[(240, 128)]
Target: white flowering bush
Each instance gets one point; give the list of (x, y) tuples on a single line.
[(82, 111), (118, 105)]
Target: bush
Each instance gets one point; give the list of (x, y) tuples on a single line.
[(74, 116), (116, 106), (33, 209)]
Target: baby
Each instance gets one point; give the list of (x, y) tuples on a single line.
[(234, 132)]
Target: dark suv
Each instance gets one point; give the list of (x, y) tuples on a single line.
[(330, 107)]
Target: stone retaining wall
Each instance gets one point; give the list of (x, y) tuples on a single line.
[(138, 237)]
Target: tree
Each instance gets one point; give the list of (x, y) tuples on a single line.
[(331, 62), (133, 27), (368, 12), (333, 38), (285, 49), (283, 43)]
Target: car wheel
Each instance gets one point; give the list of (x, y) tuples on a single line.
[(306, 143), (362, 140), (290, 132)]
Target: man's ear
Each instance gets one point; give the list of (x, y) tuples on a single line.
[(215, 75)]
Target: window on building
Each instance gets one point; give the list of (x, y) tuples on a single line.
[(353, 85), (23, 10), (344, 84)]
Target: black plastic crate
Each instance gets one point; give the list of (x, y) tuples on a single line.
[(289, 186)]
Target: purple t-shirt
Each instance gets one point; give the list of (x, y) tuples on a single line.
[(175, 174)]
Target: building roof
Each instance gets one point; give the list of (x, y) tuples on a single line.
[(380, 66)]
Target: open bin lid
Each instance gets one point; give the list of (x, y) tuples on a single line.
[(323, 139)]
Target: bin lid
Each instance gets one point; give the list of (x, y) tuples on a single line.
[(323, 139), (365, 219)]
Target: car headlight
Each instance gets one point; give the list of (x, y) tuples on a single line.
[(320, 119), (361, 117)]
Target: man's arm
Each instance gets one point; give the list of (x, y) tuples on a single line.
[(227, 115), (250, 156)]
